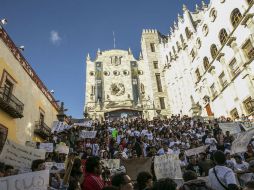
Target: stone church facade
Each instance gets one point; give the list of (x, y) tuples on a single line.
[(203, 67), (119, 85)]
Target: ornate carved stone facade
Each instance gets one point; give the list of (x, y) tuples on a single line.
[(118, 85)]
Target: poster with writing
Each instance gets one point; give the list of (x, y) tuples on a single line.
[(59, 126), (59, 166), (31, 144), (196, 151), (134, 166), (113, 165), (48, 147), (20, 156), (233, 127), (27, 181), (88, 134), (62, 148), (247, 125), (240, 143), (167, 166), (85, 124)]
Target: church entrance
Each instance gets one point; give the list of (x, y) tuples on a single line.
[(122, 114)]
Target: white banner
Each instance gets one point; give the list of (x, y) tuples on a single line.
[(62, 148), (85, 124), (20, 156), (247, 125), (233, 127), (59, 126), (48, 147), (196, 151), (240, 143), (88, 134), (27, 181), (59, 166), (167, 166)]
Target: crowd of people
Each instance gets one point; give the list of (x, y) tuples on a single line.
[(138, 138)]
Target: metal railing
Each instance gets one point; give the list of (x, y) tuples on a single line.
[(42, 129), (10, 100)]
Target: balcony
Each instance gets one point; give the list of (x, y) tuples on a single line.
[(10, 104), (42, 130)]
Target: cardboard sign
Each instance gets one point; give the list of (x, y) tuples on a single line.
[(85, 124), (135, 166), (20, 156), (233, 127), (240, 143), (62, 148), (167, 166), (48, 147), (196, 151), (59, 126), (88, 134), (59, 166), (113, 165), (27, 181)]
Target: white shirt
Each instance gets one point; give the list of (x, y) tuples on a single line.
[(225, 175)]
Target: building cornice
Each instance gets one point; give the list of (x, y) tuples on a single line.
[(28, 69)]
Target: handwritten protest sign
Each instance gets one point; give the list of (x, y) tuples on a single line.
[(59, 166), (48, 147), (20, 156), (196, 151), (59, 126), (88, 134), (233, 127), (84, 124), (241, 142), (113, 165), (247, 125), (167, 166), (137, 165), (27, 181), (62, 148)]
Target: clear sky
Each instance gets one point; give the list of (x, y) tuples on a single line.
[(58, 34)]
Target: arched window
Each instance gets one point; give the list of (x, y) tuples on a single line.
[(206, 63), (223, 36), (214, 51), (235, 17), (182, 39), (187, 32)]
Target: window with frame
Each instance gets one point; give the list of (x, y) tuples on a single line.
[(181, 37), (162, 103), (234, 113), (213, 90), (188, 33), (249, 105), (41, 116), (235, 17), (193, 54), (155, 64), (206, 63), (248, 49), (7, 85), (158, 81), (234, 67), (213, 14), (214, 51), (223, 36), (152, 46), (92, 90), (198, 75), (223, 80)]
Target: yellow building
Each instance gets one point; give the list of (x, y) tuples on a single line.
[(27, 108)]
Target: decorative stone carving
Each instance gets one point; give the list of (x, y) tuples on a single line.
[(117, 89)]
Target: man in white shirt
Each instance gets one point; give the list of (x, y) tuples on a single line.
[(221, 177)]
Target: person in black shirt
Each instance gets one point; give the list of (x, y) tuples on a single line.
[(193, 166)]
